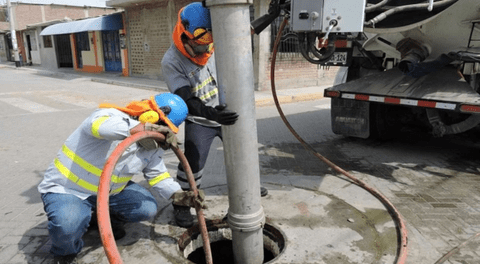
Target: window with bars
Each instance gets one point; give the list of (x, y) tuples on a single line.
[(288, 41), (47, 41), (82, 41)]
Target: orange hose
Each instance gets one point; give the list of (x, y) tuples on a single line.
[(402, 254), (103, 212)]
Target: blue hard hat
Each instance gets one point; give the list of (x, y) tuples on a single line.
[(178, 107), (194, 16)]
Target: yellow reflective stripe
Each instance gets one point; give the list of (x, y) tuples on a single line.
[(159, 178), (81, 162), (210, 94), (200, 86), (118, 190), (96, 126), (74, 178), (82, 183), (89, 167), (116, 179)]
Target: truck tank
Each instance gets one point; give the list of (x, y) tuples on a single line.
[(414, 67)]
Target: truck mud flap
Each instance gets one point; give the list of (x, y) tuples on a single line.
[(350, 117)]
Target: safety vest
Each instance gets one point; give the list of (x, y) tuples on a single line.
[(79, 163)]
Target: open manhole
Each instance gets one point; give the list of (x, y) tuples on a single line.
[(191, 243)]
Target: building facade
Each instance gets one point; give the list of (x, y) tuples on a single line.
[(149, 26), (91, 45), (30, 19)]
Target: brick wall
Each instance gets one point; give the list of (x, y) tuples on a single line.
[(4, 26), (150, 36), (293, 71), (93, 11), (27, 14), (31, 14)]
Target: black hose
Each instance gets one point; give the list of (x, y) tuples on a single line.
[(307, 46)]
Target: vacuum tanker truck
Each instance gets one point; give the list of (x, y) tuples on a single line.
[(403, 63)]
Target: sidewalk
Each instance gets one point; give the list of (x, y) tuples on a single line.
[(262, 98)]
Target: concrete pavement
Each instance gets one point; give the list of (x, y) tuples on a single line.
[(316, 216)]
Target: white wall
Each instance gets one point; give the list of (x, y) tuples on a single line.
[(34, 42), (48, 56)]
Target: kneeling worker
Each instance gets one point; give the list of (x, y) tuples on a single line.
[(70, 185)]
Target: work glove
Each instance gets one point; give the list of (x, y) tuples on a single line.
[(150, 143), (187, 198), (224, 116)]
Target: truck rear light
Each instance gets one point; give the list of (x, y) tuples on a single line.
[(361, 97), (332, 93), (391, 100), (470, 108), (427, 104)]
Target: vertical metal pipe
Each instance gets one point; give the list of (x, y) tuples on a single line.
[(233, 53)]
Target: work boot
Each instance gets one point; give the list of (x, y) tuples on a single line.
[(118, 231), (182, 215), (68, 259), (118, 228), (263, 191)]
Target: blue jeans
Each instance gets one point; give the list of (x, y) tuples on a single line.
[(69, 216)]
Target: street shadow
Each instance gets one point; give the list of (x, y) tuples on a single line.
[(59, 75), (281, 152), (35, 243), (69, 74), (32, 193)]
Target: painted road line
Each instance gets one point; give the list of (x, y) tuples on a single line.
[(28, 105), (323, 106), (73, 101)]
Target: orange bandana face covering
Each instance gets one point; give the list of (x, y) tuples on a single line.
[(179, 30), (137, 108)]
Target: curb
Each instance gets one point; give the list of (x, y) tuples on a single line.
[(133, 85), (285, 99), (262, 98)]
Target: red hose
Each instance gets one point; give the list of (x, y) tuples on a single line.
[(402, 254), (103, 212)]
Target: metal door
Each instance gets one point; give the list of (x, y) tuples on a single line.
[(82, 43), (64, 51), (111, 51)]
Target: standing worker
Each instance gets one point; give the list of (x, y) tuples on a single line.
[(189, 70), (70, 185)]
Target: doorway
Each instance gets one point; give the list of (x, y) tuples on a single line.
[(29, 51), (82, 43), (111, 51), (64, 51)]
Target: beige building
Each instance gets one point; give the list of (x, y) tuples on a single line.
[(93, 45), (29, 19)]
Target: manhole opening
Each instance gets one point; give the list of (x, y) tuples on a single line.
[(191, 243)]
